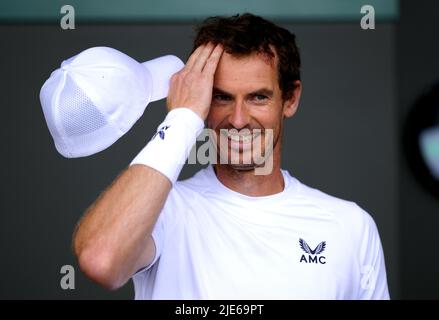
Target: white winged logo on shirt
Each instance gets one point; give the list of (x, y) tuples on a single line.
[(319, 249)]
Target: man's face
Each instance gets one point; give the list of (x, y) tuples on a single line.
[(246, 98)]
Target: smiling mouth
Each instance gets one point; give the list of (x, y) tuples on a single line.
[(235, 136)]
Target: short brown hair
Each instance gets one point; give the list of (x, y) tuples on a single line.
[(245, 34)]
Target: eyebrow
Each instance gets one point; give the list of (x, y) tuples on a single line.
[(263, 91)]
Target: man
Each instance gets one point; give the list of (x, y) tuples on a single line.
[(229, 233)]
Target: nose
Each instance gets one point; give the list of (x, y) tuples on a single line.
[(239, 118)]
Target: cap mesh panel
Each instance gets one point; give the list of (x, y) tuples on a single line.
[(78, 114)]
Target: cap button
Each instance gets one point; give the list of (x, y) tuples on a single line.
[(65, 65)]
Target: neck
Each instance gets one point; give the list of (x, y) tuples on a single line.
[(248, 183)]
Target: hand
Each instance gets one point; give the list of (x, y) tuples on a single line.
[(191, 87)]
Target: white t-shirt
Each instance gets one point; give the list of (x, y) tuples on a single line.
[(214, 243)]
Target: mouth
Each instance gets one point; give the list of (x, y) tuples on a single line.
[(241, 137)]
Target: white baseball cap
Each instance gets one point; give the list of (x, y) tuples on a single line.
[(96, 96)]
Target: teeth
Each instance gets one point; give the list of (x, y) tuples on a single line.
[(236, 138), (244, 138)]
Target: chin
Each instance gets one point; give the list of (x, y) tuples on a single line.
[(243, 167)]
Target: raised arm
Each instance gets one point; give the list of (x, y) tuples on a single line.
[(113, 239)]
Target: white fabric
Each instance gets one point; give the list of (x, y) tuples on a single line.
[(162, 69), (170, 146), (214, 243), (96, 96)]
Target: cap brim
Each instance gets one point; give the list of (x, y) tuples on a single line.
[(161, 70)]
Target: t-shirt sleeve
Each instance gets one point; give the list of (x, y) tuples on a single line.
[(158, 235), (373, 281)]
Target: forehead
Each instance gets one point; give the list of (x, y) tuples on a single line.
[(246, 73)]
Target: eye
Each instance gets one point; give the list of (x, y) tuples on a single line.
[(260, 97), (221, 97)]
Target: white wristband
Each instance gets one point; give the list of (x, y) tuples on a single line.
[(169, 148)]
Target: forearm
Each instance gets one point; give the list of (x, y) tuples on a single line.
[(114, 239), (111, 239)]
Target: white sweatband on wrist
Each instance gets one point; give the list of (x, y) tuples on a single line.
[(169, 148)]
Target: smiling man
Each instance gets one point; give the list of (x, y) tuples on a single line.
[(247, 115), (228, 232)]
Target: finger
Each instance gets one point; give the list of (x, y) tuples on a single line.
[(213, 60), (194, 56), (202, 58)]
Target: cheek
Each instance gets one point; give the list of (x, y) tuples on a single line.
[(212, 119), (215, 117), (269, 119), (274, 122)]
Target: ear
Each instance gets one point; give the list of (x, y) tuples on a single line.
[(290, 106)]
